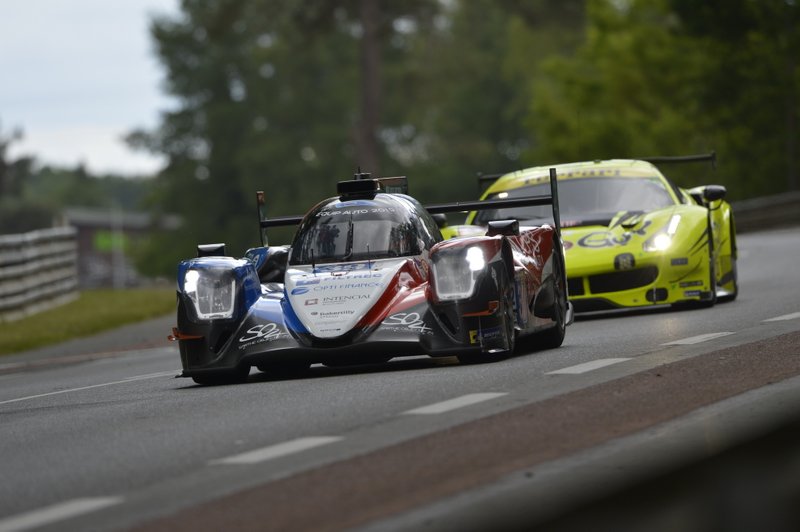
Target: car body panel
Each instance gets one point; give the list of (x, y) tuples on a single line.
[(367, 279), (611, 258)]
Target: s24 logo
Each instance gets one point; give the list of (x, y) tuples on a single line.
[(268, 331)]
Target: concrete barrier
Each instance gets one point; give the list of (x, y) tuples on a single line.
[(767, 212), (38, 270)]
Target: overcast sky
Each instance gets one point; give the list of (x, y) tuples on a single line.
[(76, 76)]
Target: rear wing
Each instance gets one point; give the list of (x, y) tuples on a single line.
[(484, 180), (680, 159), (400, 184)]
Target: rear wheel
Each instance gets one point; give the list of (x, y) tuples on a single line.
[(554, 336)]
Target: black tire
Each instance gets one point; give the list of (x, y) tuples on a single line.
[(554, 336), (216, 378), (732, 295)]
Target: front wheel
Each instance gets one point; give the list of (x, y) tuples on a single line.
[(732, 277)]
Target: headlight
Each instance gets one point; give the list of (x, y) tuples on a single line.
[(212, 292), (663, 240), (455, 273), (660, 242)]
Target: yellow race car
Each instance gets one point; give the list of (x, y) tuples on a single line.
[(632, 238)]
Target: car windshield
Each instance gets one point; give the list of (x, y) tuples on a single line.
[(354, 230), (584, 200)]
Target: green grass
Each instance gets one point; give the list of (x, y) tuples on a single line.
[(94, 311)]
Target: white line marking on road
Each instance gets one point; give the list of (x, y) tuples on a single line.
[(792, 316), (277, 450), (452, 404), (56, 512), (587, 366), (698, 339), (129, 379)]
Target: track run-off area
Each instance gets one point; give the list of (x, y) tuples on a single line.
[(111, 440)]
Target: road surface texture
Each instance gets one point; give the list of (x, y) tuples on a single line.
[(657, 420)]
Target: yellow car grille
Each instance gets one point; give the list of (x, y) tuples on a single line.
[(604, 283)]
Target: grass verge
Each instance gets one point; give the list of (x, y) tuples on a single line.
[(94, 311)]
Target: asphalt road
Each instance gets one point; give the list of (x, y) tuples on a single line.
[(100, 435)]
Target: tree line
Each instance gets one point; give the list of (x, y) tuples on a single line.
[(291, 96)]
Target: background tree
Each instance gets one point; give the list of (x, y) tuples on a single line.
[(291, 96), (673, 77)]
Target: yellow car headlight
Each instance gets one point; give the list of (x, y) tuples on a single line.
[(663, 240)]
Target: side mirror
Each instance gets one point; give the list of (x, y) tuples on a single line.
[(440, 219), (714, 193), (503, 227), (211, 250)]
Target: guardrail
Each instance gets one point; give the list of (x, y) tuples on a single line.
[(38, 270), (780, 210)]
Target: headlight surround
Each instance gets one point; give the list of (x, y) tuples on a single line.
[(662, 240), (455, 272), (211, 291)]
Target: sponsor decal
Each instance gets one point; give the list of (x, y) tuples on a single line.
[(352, 203), (336, 277), (405, 321), (348, 267), (691, 283), (692, 293), (341, 286), (476, 336), (311, 302), (336, 300), (492, 332), (679, 262), (334, 313), (258, 334), (373, 210), (589, 173), (366, 280), (605, 239)]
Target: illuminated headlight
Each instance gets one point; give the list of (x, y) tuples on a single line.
[(455, 274), (660, 242), (663, 240), (213, 292)]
